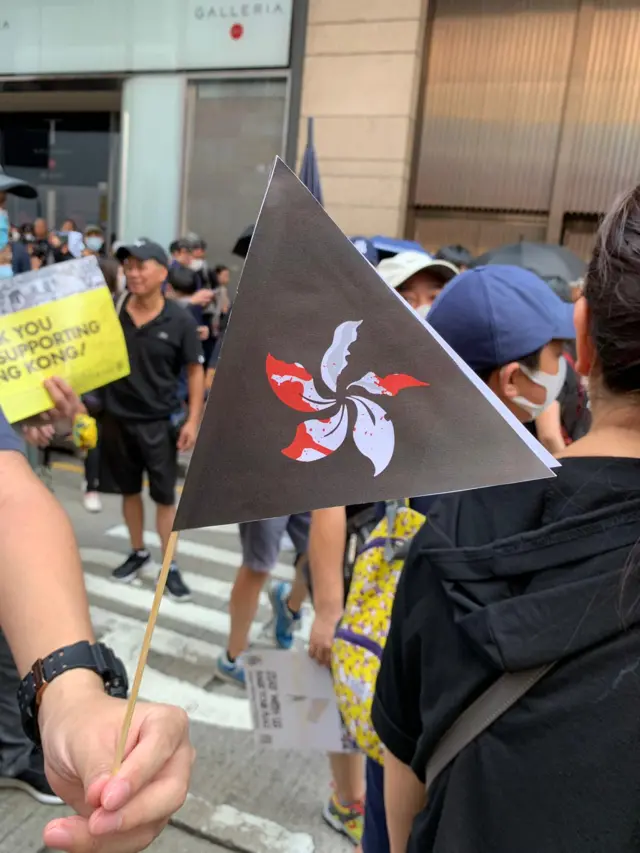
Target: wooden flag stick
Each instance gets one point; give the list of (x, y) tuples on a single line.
[(144, 652)]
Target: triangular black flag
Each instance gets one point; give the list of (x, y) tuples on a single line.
[(331, 391)]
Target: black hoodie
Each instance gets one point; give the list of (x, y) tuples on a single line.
[(506, 579)]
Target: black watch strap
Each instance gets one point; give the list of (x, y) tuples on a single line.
[(97, 658)]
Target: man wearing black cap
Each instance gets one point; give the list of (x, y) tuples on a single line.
[(138, 434)]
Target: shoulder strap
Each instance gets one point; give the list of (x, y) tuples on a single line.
[(493, 703), (120, 301)]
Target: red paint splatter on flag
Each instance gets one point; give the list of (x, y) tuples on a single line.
[(396, 382), (303, 441)]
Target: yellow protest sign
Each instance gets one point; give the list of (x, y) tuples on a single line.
[(71, 330)]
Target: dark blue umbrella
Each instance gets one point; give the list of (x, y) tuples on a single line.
[(387, 247), (309, 171), (366, 249)]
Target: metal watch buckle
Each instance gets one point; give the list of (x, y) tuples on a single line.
[(40, 682)]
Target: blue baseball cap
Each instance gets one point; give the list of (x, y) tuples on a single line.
[(494, 315)]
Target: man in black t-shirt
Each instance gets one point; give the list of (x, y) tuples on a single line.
[(138, 432)]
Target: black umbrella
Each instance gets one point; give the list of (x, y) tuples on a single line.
[(544, 259), (309, 171), (16, 186), (456, 254), (310, 177), (243, 242)]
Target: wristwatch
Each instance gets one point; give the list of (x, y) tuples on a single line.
[(97, 658)]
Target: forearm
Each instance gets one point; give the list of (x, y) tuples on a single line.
[(404, 798), (196, 392), (43, 603), (327, 539)]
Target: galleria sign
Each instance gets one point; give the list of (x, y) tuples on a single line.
[(227, 11)]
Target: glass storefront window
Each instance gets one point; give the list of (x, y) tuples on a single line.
[(68, 157), (237, 128)]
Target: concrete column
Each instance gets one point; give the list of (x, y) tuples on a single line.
[(152, 134), (361, 82)]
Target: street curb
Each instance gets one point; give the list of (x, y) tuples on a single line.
[(238, 831)]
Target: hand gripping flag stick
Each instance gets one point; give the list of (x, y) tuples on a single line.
[(144, 652)]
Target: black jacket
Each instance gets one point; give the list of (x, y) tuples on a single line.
[(502, 580)]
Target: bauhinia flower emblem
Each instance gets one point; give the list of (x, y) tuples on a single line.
[(317, 438)]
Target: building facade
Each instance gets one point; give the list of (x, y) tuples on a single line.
[(445, 121), (151, 117), (480, 123)]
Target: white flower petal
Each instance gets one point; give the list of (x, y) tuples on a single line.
[(373, 433), (335, 358), (316, 439)]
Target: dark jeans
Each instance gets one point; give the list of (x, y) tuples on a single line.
[(375, 838), (15, 747)]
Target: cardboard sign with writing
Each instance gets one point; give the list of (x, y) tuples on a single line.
[(293, 704), (57, 321)]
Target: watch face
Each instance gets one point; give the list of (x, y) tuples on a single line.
[(117, 687), (116, 682)]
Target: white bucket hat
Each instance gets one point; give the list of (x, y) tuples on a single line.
[(399, 269)]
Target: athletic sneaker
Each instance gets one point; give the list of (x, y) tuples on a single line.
[(92, 502), (128, 571), (176, 588), (33, 781), (285, 622), (347, 820), (231, 672)]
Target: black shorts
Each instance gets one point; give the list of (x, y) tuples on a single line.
[(129, 449)]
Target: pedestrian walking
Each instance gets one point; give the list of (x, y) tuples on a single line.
[(261, 541), (139, 434)]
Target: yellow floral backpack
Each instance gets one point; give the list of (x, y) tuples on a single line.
[(362, 634)]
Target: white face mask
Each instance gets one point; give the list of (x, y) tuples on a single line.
[(552, 383), (197, 264), (423, 311)]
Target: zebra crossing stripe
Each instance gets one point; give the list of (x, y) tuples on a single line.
[(199, 583), (140, 600), (231, 529), (166, 642), (209, 553), (214, 709)]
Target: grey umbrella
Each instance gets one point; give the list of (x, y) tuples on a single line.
[(544, 259)]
